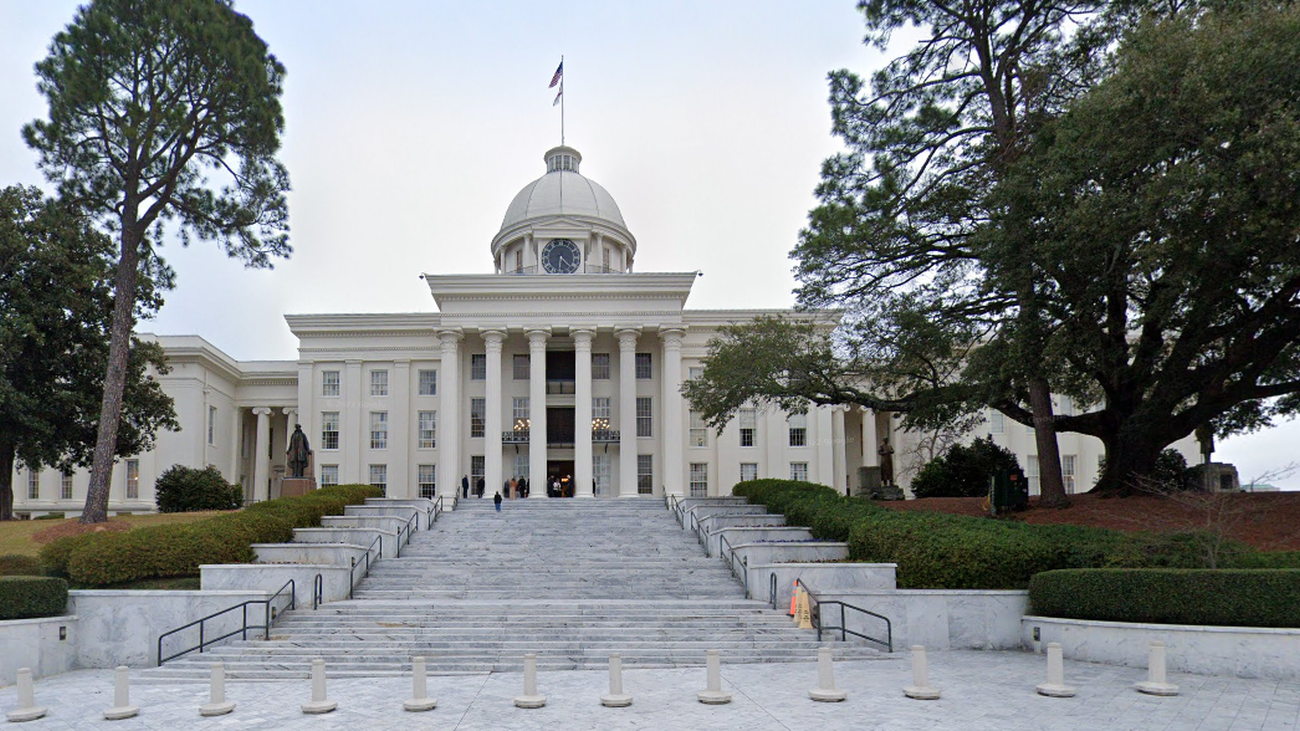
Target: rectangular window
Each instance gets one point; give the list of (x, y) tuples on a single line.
[(33, 485), (428, 430), (699, 436), (132, 479), (329, 383), (600, 467), (65, 487), (329, 474), (520, 417), (644, 371), (604, 257), (476, 472), (645, 474), (1031, 474), (600, 409), (477, 415), (519, 260), (1067, 472), (428, 382), (427, 480), (748, 425), (378, 383), (379, 477), (478, 367), (379, 430), (799, 471), (695, 373), (748, 471), (212, 425), (329, 430), (997, 422), (600, 366), (644, 417), (699, 479), (798, 430), (521, 466), (523, 368)]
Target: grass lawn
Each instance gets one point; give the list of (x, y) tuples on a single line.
[(16, 536)]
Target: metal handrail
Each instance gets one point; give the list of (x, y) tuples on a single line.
[(437, 509), (317, 592), (729, 554), (352, 582), (674, 504), (243, 630), (815, 612)]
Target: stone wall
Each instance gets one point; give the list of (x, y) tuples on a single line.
[(47, 645)]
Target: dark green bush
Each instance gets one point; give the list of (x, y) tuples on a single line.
[(1227, 597), (25, 597), (184, 489), (964, 470), (17, 565), (101, 559)]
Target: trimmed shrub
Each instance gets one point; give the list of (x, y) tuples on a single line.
[(184, 489), (103, 559), (964, 470), (1224, 597), (26, 597), (18, 565)]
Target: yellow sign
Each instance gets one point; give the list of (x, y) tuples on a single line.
[(802, 610)]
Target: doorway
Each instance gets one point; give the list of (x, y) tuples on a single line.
[(561, 470)]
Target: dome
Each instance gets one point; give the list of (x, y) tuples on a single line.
[(562, 192)]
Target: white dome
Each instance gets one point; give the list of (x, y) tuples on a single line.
[(562, 192)]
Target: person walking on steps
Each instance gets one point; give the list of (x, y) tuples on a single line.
[(481, 486), (497, 500), (464, 486)]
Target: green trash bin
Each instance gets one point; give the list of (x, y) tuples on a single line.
[(1008, 490)]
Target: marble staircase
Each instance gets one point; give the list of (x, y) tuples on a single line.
[(570, 580)]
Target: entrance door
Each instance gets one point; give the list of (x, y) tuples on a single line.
[(561, 470)]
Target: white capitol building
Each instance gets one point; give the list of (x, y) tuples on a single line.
[(564, 362)]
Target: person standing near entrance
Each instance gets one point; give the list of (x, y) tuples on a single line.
[(514, 488), (464, 486), (481, 487), (523, 487), (497, 500)]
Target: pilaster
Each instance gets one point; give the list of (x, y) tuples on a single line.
[(582, 467), (492, 468), (537, 411), (674, 476), (627, 451), (449, 427)]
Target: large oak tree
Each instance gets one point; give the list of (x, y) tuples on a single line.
[(162, 112)]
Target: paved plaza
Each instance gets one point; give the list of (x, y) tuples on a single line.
[(981, 690)]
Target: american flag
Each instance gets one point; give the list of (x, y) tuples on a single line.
[(559, 74)]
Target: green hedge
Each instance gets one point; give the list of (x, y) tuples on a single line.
[(942, 551), (25, 597), (103, 559), (14, 564), (1227, 597)]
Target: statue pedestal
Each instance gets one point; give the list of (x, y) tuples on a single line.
[(1215, 477), (296, 486)]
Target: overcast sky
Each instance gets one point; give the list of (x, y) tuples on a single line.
[(411, 125)]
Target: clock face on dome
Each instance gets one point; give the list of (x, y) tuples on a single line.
[(561, 256)]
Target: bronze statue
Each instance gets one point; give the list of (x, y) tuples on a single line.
[(886, 453), (299, 452), (1205, 435)]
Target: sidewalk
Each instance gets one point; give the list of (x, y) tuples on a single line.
[(981, 690)]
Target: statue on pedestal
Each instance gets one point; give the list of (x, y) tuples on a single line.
[(299, 452), (886, 454)]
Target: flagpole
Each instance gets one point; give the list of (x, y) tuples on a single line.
[(561, 102)]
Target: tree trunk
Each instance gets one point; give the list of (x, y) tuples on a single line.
[(1128, 461), (119, 352), (6, 481), (1051, 486)]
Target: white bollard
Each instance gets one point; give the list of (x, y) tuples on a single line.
[(27, 709), (217, 704), (1156, 682), (713, 695), (1055, 686), (920, 688), (530, 698), (420, 700), (826, 691), (616, 698), (122, 707), (318, 702)]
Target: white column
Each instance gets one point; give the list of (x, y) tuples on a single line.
[(399, 431), (869, 439), (537, 412), (839, 449), (236, 429), (674, 476), (582, 468), (627, 412), (352, 439), (261, 457), (449, 419), (492, 427)]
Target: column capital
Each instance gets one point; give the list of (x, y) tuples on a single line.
[(672, 336), (290, 410), (261, 410), (538, 335), (449, 335), (493, 336), (627, 336), (582, 335)]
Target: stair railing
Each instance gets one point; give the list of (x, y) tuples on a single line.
[(204, 641), (317, 592), (436, 510), (675, 505), (816, 604), (729, 555), (352, 583)]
